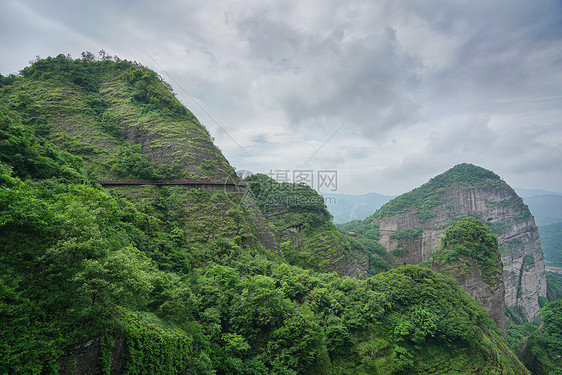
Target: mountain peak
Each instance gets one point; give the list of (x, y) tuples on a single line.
[(412, 224), (466, 173), (120, 117), (425, 197)]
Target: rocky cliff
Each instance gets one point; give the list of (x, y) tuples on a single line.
[(469, 253), (412, 225)]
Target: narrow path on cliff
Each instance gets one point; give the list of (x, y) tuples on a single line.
[(168, 182)]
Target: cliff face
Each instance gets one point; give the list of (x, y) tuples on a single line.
[(469, 253), (85, 359), (444, 200), (491, 296)]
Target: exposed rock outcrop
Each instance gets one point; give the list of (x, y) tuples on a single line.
[(469, 253), (491, 296), (86, 359), (467, 190)]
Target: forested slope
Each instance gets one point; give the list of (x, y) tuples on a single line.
[(173, 280), (303, 226)]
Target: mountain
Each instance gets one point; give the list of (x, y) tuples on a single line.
[(526, 193), (125, 124), (547, 209), (411, 226), (546, 206), (299, 218), (551, 240), (469, 253), (345, 208), (127, 246)]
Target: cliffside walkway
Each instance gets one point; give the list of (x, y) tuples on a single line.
[(169, 182)]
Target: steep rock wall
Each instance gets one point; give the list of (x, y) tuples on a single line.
[(489, 294), (498, 206), (85, 359)]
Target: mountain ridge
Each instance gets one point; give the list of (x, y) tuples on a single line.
[(168, 279), (467, 190), (525, 193)]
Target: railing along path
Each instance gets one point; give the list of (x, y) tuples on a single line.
[(170, 182)]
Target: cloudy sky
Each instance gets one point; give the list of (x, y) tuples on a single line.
[(388, 93)]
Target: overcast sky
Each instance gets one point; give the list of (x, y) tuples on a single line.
[(388, 93)]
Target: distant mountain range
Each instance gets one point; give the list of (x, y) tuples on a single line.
[(345, 207), (526, 193), (547, 209), (546, 206)]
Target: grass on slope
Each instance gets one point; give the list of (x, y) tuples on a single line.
[(95, 108)]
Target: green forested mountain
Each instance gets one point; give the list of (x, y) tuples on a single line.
[(469, 253), (412, 226), (427, 196), (302, 224), (187, 279)]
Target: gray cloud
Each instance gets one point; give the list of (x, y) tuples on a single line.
[(482, 85)]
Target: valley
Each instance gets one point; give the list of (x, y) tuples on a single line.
[(128, 246)]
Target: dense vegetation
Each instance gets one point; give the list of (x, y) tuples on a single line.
[(130, 125), (362, 229), (467, 239), (471, 239), (177, 274), (234, 308), (367, 234), (406, 233), (301, 222), (540, 343), (554, 286)]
